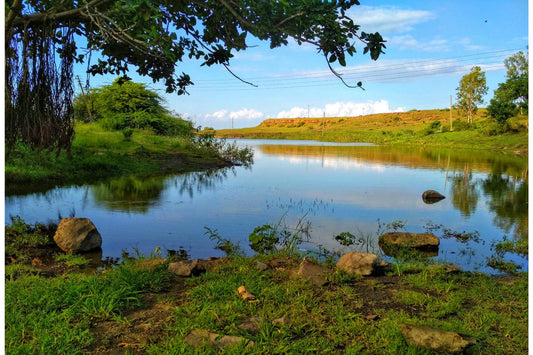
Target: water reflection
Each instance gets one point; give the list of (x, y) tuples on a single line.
[(340, 188), (139, 194)]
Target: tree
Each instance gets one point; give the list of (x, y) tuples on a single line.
[(153, 37), (125, 104), (515, 89), (470, 91), (501, 110)]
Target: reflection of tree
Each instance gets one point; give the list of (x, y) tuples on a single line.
[(129, 193), (509, 202), (464, 193), (199, 181), (134, 194)]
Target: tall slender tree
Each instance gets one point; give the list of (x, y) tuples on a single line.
[(470, 92), (153, 37)]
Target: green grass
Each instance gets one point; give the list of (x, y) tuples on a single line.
[(53, 315), (99, 154)]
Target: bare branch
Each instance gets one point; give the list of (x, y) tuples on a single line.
[(339, 76)]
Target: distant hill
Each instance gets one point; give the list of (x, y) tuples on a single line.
[(432, 127)]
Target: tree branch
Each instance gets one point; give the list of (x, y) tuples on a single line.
[(41, 18)]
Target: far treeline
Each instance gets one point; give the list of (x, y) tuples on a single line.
[(503, 124)]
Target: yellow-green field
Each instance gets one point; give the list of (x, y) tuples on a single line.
[(413, 127)]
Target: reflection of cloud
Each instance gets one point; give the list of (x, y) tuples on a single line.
[(334, 163)]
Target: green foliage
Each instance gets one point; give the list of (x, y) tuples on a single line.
[(226, 245), (156, 37), (125, 105), (470, 91), (263, 239), (231, 152)]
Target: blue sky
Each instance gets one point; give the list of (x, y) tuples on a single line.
[(430, 46)]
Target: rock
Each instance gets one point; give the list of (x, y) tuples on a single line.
[(77, 235), (432, 196), (245, 294), (390, 242), (358, 263), (187, 268), (434, 339), (261, 266), (279, 263), (313, 272), (251, 325), (199, 337)]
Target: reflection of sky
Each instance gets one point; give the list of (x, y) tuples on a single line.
[(334, 163), (335, 194)]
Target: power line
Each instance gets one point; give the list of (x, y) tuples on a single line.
[(367, 73)]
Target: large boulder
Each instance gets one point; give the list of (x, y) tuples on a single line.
[(77, 235), (434, 339), (432, 196), (391, 242), (358, 263)]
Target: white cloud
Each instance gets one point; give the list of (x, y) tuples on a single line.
[(220, 115), (237, 119), (388, 19), (408, 42), (246, 114), (340, 109)]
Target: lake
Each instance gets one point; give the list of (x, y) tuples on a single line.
[(334, 187)]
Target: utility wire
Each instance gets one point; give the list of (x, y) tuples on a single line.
[(368, 73)]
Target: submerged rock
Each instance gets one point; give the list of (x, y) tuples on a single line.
[(434, 339), (432, 196), (358, 263), (77, 235), (426, 242)]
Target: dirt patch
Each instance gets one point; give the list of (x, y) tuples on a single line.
[(138, 328)]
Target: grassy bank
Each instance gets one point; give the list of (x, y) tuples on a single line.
[(99, 153), (138, 306), (426, 127)]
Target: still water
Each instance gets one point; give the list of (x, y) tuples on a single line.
[(334, 187)]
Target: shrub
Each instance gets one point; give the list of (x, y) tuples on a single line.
[(125, 104), (501, 111), (460, 125)]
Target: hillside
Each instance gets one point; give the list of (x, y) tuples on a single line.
[(430, 127)]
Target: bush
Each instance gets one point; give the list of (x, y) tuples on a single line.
[(501, 111), (125, 104), (460, 125)]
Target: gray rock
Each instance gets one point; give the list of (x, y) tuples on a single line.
[(314, 272), (358, 263), (77, 235), (187, 268), (199, 337), (432, 196), (434, 339)]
